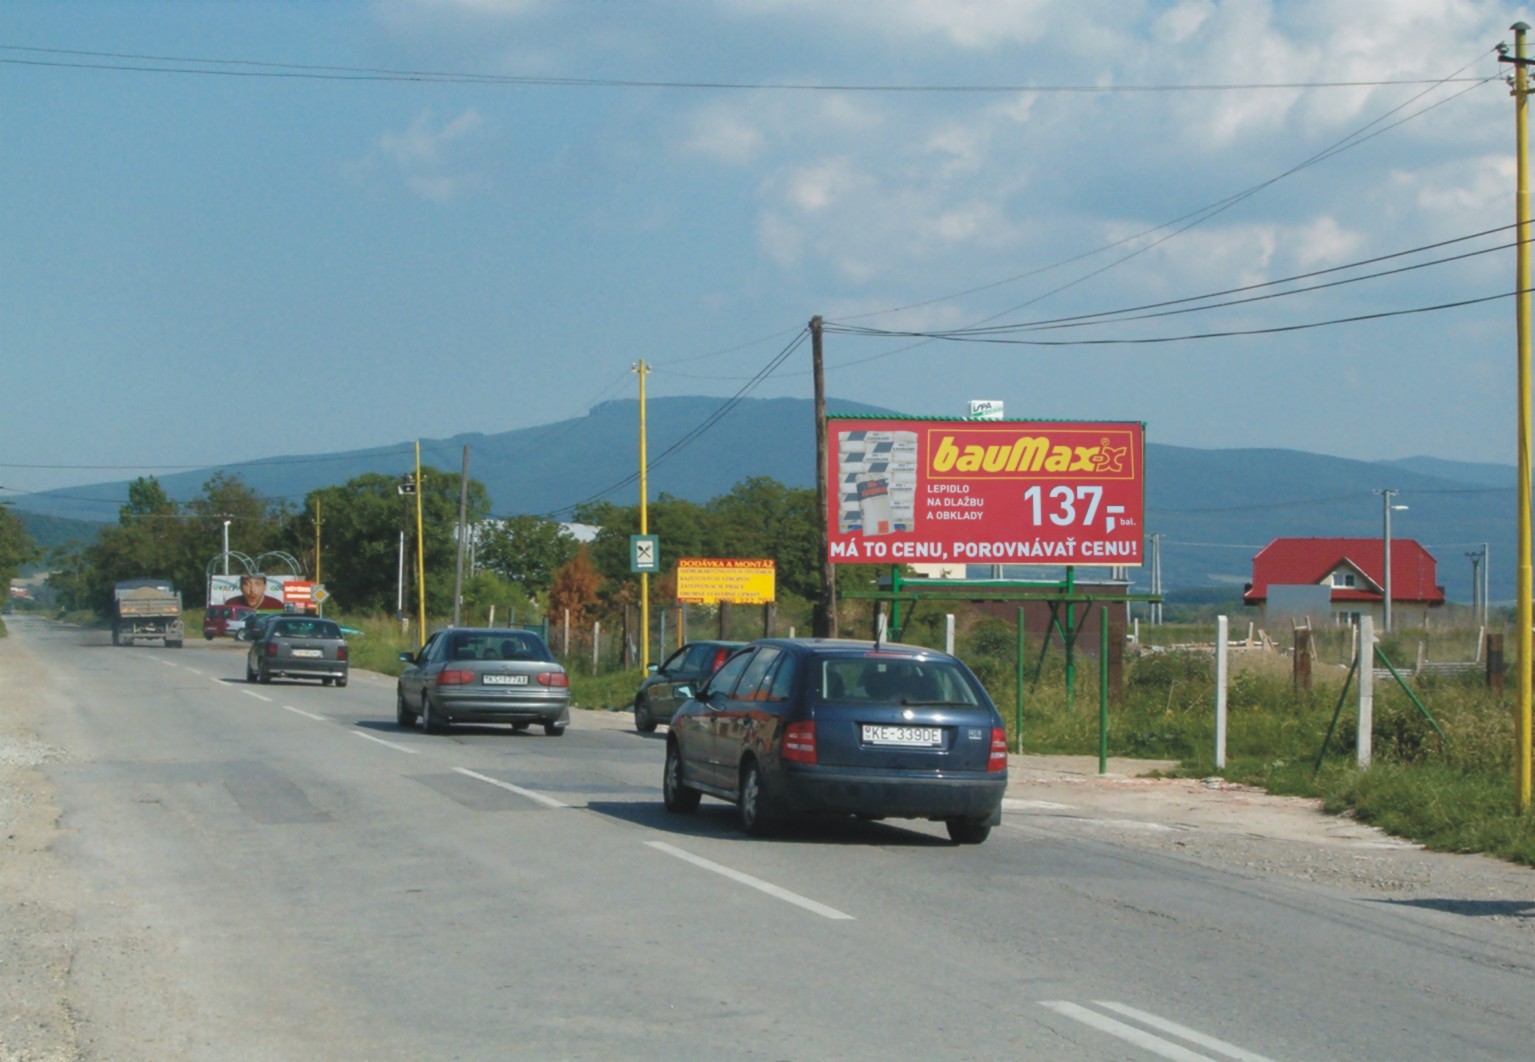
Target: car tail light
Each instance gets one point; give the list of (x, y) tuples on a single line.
[(271, 648), (998, 760), (454, 678), (719, 658), (553, 678), (341, 653), (799, 742)]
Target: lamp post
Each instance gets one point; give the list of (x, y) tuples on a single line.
[(1386, 508), (226, 547)]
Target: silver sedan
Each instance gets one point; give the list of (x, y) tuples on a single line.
[(483, 675)]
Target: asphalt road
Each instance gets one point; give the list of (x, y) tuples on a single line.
[(279, 872)]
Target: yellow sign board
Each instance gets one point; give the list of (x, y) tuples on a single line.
[(740, 582)]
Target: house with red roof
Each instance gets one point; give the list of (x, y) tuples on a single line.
[(1352, 570)]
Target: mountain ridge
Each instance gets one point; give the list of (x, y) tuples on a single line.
[(1211, 509)]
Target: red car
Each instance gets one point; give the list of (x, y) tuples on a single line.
[(224, 620)]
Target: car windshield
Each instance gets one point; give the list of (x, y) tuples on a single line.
[(875, 679)]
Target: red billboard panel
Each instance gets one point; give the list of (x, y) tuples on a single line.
[(985, 492)]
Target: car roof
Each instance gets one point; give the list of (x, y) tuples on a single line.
[(853, 646)]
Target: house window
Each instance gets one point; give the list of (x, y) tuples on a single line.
[(1346, 619), (1343, 579)]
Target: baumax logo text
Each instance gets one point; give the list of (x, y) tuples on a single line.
[(1025, 454)]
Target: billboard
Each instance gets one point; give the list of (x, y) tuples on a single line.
[(265, 593), (741, 582), (985, 492)]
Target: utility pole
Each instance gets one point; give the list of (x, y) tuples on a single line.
[(463, 530), (1386, 507), (640, 369), (825, 621), (1476, 586), (1522, 328), (420, 555), (320, 608)]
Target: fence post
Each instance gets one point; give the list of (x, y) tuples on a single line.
[(1495, 662), (1222, 648), (596, 643), (1362, 744), (948, 633), (1301, 662)]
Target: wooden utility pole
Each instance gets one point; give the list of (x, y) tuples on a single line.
[(1522, 504), (824, 623)]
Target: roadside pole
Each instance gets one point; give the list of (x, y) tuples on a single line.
[(1222, 670), (1362, 747)]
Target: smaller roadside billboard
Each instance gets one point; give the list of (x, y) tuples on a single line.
[(264, 593), (739, 582)]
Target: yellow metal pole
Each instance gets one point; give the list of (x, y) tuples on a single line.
[(1522, 312), (420, 556), (644, 529)]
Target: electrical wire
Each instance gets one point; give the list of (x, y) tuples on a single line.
[(251, 68), (698, 430)]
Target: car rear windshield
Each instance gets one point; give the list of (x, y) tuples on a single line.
[(498, 645), (292, 628), (875, 679)]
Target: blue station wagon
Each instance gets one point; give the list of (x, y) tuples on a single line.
[(820, 726)]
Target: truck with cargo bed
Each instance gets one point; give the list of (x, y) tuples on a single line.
[(147, 610)]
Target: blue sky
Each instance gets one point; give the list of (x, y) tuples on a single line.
[(246, 246)]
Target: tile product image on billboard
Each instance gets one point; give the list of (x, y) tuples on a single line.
[(985, 492)]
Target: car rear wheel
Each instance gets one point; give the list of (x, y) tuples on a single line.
[(429, 721), (250, 675), (968, 831), (263, 676), (757, 817), (341, 680), (552, 730), (679, 799), (404, 718), (644, 722)]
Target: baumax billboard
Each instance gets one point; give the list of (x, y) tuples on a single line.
[(985, 492)]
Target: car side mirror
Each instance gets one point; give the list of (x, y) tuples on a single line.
[(407, 658), (652, 669), (682, 693)]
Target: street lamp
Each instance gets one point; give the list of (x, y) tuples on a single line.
[(1386, 508), (226, 547)]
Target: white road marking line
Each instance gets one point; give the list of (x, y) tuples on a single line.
[(306, 715), (1155, 1044), (1183, 1031), (370, 737), (756, 883), (539, 797), (253, 693)]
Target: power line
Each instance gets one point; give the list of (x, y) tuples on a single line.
[(251, 68)]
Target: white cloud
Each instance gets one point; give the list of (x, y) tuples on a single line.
[(427, 156)]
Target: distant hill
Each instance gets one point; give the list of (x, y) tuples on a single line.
[(1213, 509)]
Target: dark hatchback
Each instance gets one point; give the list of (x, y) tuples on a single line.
[(821, 726), (665, 688), (293, 646)]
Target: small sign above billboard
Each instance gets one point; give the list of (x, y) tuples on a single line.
[(985, 409)]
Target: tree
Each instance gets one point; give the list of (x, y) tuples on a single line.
[(526, 549), (16, 546), (574, 592), (363, 521)]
